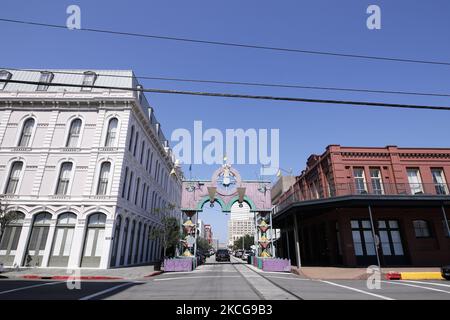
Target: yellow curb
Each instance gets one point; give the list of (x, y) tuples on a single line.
[(421, 276)]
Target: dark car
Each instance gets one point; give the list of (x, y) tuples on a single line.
[(222, 255), (445, 271)]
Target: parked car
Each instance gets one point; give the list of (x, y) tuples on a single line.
[(238, 253), (222, 255), (445, 271), (246, 254)]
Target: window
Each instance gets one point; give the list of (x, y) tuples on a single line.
[(390, 238), (130, 142), (74, 133), (142, 152), (4, 75), (94, 240), (363, 240), (415, 183), (27, 131), (62, 241), (14, 176), (136, 193), (103, 178), (124, 185), (129, 186), (421, 229), (136, 141), (440, 184), (64, 178), (360, 180), (111, 132), (377, 182), (46, 77), (88, 80), (10, 238), (147, 159)]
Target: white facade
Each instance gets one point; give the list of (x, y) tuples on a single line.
[(241, 222), (86, 168)]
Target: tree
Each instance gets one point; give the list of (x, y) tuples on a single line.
[(248, 242), (6, 217), (168, 231), (203, 244)]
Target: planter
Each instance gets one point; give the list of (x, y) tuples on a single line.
[(276, 264), (178, 264)]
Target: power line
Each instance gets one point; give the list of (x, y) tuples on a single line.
[(239, 96), (240, 83), (230, 44)]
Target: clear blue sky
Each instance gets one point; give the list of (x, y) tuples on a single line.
[(410, 29)]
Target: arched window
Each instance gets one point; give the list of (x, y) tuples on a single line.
[(103, 178), (64, 178), (124, 184), (147, 161), (144, 244), (111, 132), (94, 240), (124, 241), (14, 177), (115, 246), (144, 190), (62, 241), (10, 239), (129, 186), (27, 131), (142, 152), (74, 133), (421, 229), (38, 239)]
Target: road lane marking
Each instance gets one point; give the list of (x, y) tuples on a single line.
[(33, 286), (194, 277), (416, 286), (357, 290), (431, 283), (289, 278), (107, 290)]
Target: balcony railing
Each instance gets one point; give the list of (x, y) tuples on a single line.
[(294, 194)]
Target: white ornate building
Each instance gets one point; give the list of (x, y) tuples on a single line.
[(84, 167), (241, 223)]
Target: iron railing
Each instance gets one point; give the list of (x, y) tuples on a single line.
[(294, 194)]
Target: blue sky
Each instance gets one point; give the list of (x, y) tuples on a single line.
[(410, 29)]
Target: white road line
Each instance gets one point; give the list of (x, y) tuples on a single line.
[(199, 277), (416, 286), (357, 290), (106, 291), (289, 278), (431, 283), (33, 286)]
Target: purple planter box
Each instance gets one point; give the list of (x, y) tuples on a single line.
[(174, 265), (277, 265)]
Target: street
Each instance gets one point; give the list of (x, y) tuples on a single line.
[(224, 281)]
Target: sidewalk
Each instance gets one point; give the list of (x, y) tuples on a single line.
[(334, 273), (127, 273)]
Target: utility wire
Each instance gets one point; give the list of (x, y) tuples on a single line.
[(239, 96), (229, 44), (239, 83)]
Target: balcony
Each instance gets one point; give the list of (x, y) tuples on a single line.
[(407, 190)]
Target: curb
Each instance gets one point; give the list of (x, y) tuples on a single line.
[(155, 273), (421, 276), (30, 276)]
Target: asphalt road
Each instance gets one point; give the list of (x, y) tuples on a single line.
[(225, 281)]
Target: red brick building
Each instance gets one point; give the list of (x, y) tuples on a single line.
[(357, 206)]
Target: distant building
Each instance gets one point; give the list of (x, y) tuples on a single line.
[(200, 228), (241, 222), (85, 168), (208, 233), (353, 206)]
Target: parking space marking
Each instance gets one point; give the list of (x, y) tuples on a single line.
[(357, 290), (431, 283), (288, 278), (416, 286), (107, 290), (30, 287)]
